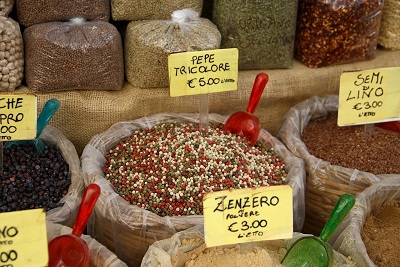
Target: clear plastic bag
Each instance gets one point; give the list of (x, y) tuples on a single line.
[(348, 239), (11, 55), (88, 54), (129, 230), (389, 33), (30, 12), (336, 31), (149, 43)]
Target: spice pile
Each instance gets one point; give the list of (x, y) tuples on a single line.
[(381, 235), (377, 152), (31, 181), (167, 169)]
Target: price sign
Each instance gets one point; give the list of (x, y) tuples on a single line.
[(203, 72), (247, 215), (18, 117), (369, 96), (23, 238)]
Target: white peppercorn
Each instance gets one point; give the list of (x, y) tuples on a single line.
[(150, 10), (6, 7), (149, 43), (11, 55), (30, 12), (73, 55)]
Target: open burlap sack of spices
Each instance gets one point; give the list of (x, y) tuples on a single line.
[(325, 182), (43, 181), (11, 54), (337, 32), (88, 53), (263, 31), (187, 248), (6, 7), (149, 43), (389, 33), (383, 239), (30, 12), (150, 10), (100, 256), (129, 230)]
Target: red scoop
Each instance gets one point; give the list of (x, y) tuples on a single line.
[(391, 126), (245, 123), (71, 250)]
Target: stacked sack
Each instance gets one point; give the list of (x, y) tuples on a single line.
[(158, 29), (73, 47), (11, 49)]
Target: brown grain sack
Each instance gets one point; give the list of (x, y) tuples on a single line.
[(32, 12), (11, 55), (79, 54), (149, 43), (150, 9)]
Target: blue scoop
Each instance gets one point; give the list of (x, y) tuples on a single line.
[(47, 113)]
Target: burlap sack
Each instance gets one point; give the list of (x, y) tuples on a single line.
[(128, 230), (325, 182), (349, 240), (100, 256), (88, 54), (30, 12), (11, 55), (149, 43), (169, 252), (150, 10), (389, 33)]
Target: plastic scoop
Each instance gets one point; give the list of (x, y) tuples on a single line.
[(393, 126), (72, 250), (47, 113), (312, 251), (245, 123)]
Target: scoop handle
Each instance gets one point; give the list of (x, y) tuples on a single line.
[(258, 88), (89, 199), (46, 114), (342, 207)]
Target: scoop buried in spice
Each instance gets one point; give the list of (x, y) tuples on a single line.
[(71, 250), (393, 126), (245, 123), (46, 114), (312, 251)]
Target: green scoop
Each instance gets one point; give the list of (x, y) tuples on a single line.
[(312, 251)]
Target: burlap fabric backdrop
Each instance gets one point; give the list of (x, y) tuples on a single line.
[(85, 113)]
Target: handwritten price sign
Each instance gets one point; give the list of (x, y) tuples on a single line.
[(203, 72), (247, 215), (369, 96), (23, 238)]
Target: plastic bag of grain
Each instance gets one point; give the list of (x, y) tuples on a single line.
[(73, 55), (149, 43), (150, 10), (11, 55), (129, 230), (263, 31), (187, 248), (389, 33), (337, 32), (325, 182), (30, 12), (383, 249), (52, 180), (6, 7), (99, 255)]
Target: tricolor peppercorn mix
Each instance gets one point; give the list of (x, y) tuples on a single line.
[(168, 168)]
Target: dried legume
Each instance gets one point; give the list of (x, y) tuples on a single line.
[(336, 32), (389, 33), (377, 152), (263, 31), (11, 55), (32, 12), (88, 54), (168, 168), (31, 181)]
